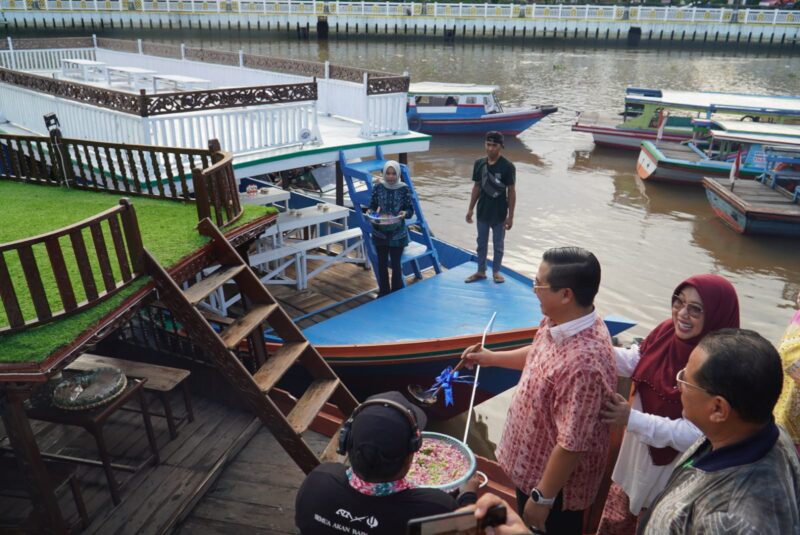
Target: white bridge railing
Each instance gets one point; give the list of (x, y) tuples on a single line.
[(406, 10)]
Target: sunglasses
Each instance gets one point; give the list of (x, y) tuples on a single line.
[(695, 311)]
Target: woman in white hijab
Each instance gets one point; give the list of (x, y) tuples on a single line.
[(390, 196)]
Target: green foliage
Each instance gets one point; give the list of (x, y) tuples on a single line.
[(168, 232)]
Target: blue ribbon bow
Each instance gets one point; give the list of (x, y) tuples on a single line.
[(446, 380)]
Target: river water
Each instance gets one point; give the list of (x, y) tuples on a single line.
[(648, 237)]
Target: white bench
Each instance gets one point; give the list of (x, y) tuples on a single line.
[(350, 239)]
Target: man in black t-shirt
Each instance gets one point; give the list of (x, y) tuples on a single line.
[(373, 497), (493, 190)]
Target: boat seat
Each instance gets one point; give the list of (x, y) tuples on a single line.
[(352, 240)]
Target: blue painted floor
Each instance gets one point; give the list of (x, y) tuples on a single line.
[(439, 307)]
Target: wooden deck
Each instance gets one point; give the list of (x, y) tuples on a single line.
[(338, 283), (155, 498), (255, 493), (751, 196)]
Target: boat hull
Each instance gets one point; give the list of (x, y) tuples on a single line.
[(511, 123), (652, 165), (736, 215), (625, 138)]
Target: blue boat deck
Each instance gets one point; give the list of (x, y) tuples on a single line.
[(438, 307)]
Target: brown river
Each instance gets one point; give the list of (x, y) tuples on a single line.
[(648, 237)]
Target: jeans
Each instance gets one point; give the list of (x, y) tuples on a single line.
[(560, 521), (384, 254), (498, 235)]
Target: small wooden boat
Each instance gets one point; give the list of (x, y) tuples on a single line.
[(713, 155), (438, 108), (767, 206), (643, 112)]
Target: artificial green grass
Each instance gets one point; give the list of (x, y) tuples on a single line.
[(168, 232)]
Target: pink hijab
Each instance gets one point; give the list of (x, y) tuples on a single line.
[(663, 354)]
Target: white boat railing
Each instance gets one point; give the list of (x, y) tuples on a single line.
[(386, 114), (26, 108), (41, 60), (239, 130), (406, 10)]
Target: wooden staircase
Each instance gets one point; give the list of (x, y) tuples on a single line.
[(260, 309)]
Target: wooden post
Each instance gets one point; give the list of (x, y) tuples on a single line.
[(339, 184), (133, 237), (403, 158), (201, 194), (23, 442)]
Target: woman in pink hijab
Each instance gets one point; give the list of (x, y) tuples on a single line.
[(656, 432)]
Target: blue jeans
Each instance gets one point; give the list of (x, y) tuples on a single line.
[(498, 235)]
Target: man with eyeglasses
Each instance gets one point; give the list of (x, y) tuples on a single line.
[(743, 477), (554, 445)]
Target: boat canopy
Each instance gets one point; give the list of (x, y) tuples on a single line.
[(438, 88), (716, 102), (759, 139), (759, 128)]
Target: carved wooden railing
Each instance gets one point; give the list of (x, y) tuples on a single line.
[(140, 170), (118, 263), (202, 176), (145, 105), (217, 195)]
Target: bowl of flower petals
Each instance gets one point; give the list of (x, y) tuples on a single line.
[(384, 221), (443, 462)]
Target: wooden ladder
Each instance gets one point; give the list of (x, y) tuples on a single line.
[(260, 308)]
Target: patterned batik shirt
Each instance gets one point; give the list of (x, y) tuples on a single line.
[(563, 386), (391, 201)]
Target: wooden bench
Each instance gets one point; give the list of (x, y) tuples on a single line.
[(161, 380), (12, 484)]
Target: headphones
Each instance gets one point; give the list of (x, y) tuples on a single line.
[(414, 443)]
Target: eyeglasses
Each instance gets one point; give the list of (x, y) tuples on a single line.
[(694, 310), (679, 378), (537, 286)]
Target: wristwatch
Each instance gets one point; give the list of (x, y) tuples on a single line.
[(538, 498)]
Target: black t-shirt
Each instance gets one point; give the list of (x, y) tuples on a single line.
[(494, 181), (327, 504)]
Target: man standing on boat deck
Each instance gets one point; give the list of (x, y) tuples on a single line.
[(493, 190), (554, 443)]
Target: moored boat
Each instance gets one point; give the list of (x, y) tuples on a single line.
[(645, 109), (767, 206), (688, 162), (440, 108)]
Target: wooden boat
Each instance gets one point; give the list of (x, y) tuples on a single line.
[(767, 206), (688, 162), (643, 109), (439, 108)]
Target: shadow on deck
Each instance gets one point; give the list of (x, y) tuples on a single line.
[(155, 498)]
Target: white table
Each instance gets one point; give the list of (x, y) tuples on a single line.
[(179, 83), (85, 69), (311, 218), (132, 76), (273, 196)]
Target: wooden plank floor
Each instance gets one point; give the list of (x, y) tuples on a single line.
[(154, 498), (255, 493), (762, 198), (337, 283)]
